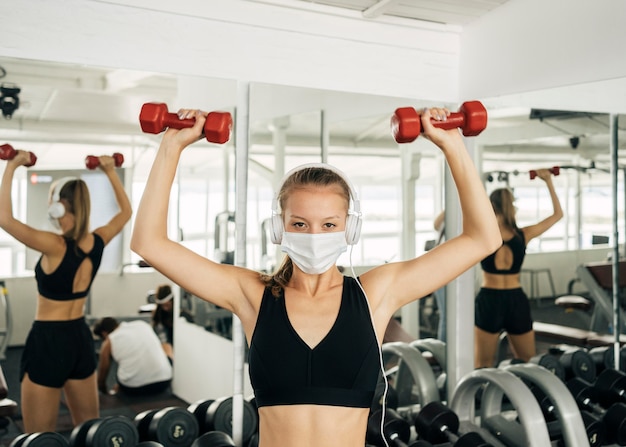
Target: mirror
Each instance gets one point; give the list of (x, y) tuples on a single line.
[(67, 112)]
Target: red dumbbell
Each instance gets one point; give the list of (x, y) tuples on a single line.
[(406, 122), (92, 162), (154, 118), (8, 153), (555, 170)]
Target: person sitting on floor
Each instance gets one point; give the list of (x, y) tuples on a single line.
[(142, 365)]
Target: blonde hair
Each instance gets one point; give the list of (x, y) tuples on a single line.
[(75, 196), (502, 203), (301, 179)]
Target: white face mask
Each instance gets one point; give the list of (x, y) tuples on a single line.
[(314, 253)]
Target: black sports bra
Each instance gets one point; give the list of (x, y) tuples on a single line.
[(517, 244), (342, 370), (57, 285)]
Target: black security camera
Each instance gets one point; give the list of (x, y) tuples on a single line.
[(9, 100), (574, 142)]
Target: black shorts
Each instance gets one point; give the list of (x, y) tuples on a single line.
[(497, 310), (56, 351)]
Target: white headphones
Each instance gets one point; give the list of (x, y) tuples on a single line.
[(353, 222), (56, 209)]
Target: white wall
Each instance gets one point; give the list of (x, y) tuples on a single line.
[(529, 45), (207, 364)]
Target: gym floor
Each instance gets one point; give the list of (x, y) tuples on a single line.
[(109, 405)]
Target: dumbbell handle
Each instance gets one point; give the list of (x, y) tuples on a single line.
[(406, 122), (92, 161), (7, 152), (555, 170)]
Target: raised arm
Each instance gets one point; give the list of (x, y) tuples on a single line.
[(220, 284), (539, 228), (42, 241), (396, 284), (117, 222)]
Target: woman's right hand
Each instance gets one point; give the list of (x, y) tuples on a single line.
[(544, 174), (21, 158), (186, 136)]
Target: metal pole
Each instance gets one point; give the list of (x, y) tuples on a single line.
[(615, 264), (242, 135), (324, 136)]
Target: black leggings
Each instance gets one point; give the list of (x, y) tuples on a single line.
[(496, 310)]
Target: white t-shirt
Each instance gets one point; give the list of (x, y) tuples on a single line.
[(139, 355)]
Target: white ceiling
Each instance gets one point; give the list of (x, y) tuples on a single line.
[(450, 12), (67, 112)]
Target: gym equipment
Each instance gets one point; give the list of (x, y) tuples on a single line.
[(391, 400), (555, 170), (604, 358), (154, 118), (43, 439), (437, 350), (557, 403), (576, 362), (528, 428), (614, 417), (436, 423), (412, 376), (92, 161), (5, 332), (395, 430), (111, 430), (217, 415), (7, 152), (149, 444), (611, 387), (598, 278), (406, 124), (171, 426), (214, 439)]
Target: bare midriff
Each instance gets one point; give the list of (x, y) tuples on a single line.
[(312, 426), (52, 310), (501, 282)]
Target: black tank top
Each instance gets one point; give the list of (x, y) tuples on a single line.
[(517, 244), (342, 370), (58, 284)]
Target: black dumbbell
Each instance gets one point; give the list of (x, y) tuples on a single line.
[(437, 423), (171, 426), (214, 439), (611, 387), (594, 427), (111, 430), (149, 444), (549, 362), (217, 415), (614, 417), (391, 400), (576, 362), (396, 431), (43, 439)]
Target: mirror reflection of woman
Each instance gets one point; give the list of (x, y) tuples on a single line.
[(314, 334), (59, 355), (501, 303)]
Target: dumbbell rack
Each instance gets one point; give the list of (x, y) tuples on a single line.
[(6, 332)]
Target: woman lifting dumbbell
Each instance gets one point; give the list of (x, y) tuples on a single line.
[(314, 335), (59, 354), (501, 304)]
